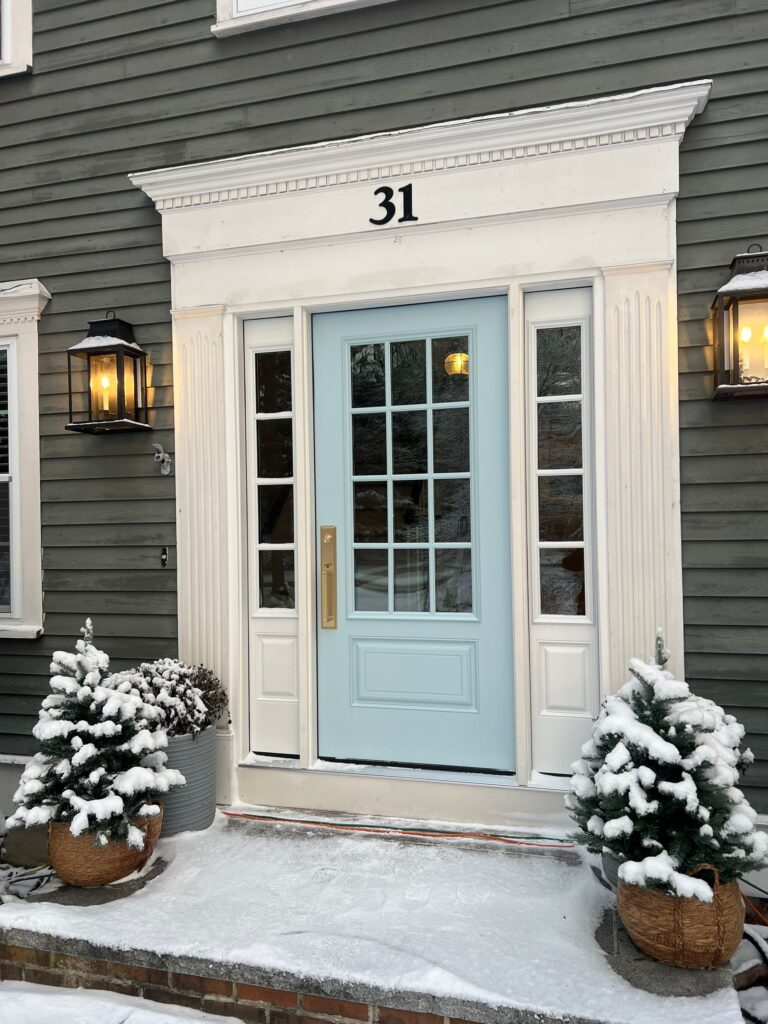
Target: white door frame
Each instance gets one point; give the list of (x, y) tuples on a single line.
[(289, 233)]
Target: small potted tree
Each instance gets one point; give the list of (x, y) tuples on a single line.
[(191, 700), (656, 790), (100, 774)]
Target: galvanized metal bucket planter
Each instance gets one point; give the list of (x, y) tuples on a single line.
[(193, 806)]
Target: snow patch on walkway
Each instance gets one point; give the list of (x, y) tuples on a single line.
[(477, 921), (22, 1003)]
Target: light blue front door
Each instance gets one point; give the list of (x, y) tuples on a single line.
[(412, 470)]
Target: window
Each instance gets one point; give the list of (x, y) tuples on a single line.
[(21, 612), (241, 15), (15, 37), (274, 479)]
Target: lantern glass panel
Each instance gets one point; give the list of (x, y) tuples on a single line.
[(130, 382), (103, 386), (749, 328)]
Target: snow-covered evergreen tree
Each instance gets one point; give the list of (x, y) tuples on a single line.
[(656, 786), (101, 762)]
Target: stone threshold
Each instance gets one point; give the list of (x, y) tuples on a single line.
[(237, 990)]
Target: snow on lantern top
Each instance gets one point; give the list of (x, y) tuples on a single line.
[(112, 369), (740, 327)]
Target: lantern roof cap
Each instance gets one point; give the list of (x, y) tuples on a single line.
[(752, 281), (104, 341)]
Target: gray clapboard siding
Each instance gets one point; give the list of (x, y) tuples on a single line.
[(127, 85)]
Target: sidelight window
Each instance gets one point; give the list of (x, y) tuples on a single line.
[(275, 479)]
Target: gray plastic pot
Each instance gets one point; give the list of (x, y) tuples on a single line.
[(193, 806)]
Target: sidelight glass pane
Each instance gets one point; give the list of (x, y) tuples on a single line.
[(451, 440), (371, 513), (560, 435), (273, 381), (4, 412), (452, 510), (276, 579), (275, 448), (409, 442), (276, 514), (412, 580), (558, 360), (409, 372), (411, 511), (561, 508), (450, 380), (453, 580), (369, 444), (367, 376), (371, 581), (5, 547), (562, 581)]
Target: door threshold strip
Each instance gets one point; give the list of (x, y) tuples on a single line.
[(424, 833)]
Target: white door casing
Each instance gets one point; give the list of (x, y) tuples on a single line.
[(581, 195)]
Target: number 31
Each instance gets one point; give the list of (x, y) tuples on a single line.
[(390, 209)]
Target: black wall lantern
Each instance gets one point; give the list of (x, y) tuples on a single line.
[(740, 320), (115, 370)]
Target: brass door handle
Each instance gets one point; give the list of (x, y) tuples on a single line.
[(328, 577)]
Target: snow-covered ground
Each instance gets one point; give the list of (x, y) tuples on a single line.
[(21, 1003), (476, 921)]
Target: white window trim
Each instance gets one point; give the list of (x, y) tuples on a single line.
[(16, 38), (243, 15), (21, 305), (289, 232)]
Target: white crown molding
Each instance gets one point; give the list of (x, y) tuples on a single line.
[(22, 301), (630, 118)]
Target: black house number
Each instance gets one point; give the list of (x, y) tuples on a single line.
[(389, 206)]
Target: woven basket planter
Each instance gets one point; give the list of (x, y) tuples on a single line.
[(80, 861), (682, 931)]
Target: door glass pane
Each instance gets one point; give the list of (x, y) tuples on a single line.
[(275, 448), (453, 580), (5, 547), (368, 376), (560, 435), (276, 514), (562, 581), (412, 580), (371, 576), (558, 360), (561, 510), (450, 369), (451, 440), (409, 442), (452, 510), (371, 513), (369, 444), (273, 381), (276, 579), (411, 511), (409, 372)]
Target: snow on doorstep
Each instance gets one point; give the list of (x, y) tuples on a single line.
[(22, 1003), (479, 921)]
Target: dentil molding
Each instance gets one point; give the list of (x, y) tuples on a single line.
[(626, 119), (22, 301)]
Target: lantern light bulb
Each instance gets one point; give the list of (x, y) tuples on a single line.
[(745, 334), (105, 381), (765, 333), (456, 363)]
